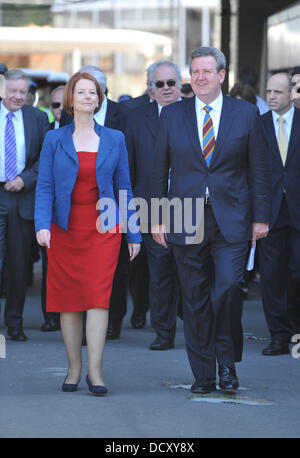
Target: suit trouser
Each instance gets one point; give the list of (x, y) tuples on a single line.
[(164, 291), (133, 275), (47, 315), (279, 257), (15, 248), (210, 274)]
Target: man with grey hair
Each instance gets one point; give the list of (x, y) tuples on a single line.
[(22, 131), (217, 153), (164, 294)]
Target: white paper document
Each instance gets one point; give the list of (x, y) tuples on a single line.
[(250, 262)]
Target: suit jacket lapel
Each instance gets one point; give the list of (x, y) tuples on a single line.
[(105, 146), (190, 120), (226, 122), (27, 122), (67, 142), (295, 135), (111, 116), (271, 137), (152, 117)]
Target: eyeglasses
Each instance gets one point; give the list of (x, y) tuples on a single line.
[(159, 84), (56, 105)]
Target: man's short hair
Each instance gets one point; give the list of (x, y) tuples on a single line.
[(206, 51), (155, 65), (57, 88), (16, 74)]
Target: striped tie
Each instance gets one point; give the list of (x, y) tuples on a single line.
[(208, 136), (10, 149)]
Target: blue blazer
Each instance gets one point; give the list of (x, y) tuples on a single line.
[(238, 177), (57, 176)]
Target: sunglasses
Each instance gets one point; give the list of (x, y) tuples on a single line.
[(56, 105), (159, 84)]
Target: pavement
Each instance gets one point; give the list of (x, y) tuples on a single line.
[(149, 393)]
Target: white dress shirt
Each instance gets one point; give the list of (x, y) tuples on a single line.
[(288, 117), (100, 115), (17, 120)]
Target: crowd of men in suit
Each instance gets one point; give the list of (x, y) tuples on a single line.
[(244, 166)]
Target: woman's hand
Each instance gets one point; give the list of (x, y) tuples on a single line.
[(134, 249), (43, 237)]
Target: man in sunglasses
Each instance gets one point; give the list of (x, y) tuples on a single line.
[(164, 294), (56, 105), (219, 160)]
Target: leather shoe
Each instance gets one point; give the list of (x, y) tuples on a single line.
[(69, 387), (50, 326), (228, 379), (276, 347), (96, 390), (113, 332), (16, 334), (203, 386), (161, 344), (138, 321)]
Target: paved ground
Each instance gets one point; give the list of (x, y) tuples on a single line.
[(148, 395)]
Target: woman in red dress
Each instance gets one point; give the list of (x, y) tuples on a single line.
[(79, 164)]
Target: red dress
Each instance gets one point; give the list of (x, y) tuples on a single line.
[(82, 261)]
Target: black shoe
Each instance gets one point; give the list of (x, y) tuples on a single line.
[(138, 321), (113, 332), (228, 379), (16, 334), (203, 386), (97, 390), (161, 344), (50, 326), (276, 347), (69, 387)]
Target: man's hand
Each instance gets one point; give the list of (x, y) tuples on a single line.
[(259, 231), (159, 234), (15, 185)]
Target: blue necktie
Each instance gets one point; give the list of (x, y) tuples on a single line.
[(208, 136), (10, 149)]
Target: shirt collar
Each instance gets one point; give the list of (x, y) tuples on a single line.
[(4, 111), (288, 116), (216, 105), (160, 107)]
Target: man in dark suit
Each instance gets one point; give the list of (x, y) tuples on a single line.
[(22, 131), (164, 294), (217, 153), (279, 253)]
